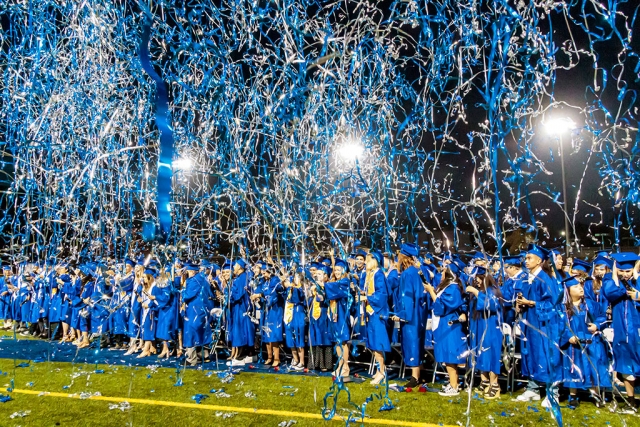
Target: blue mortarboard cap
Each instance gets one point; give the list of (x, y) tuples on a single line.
[(580, 265), (314, 264), (326, 261), (377, 255), (360, 252), (477, 270), (342, 263), (6, 267), (478, 255), (455, 268), (410, 249), (242, 263), (601, 260), (130, 262), (537, 251), (140, 260), (65, 278), (570, 281), (325, 268), (603, 253), (263, 265), (226, 265), (625, 260), (151, 271), (191, 266), (512, 260)]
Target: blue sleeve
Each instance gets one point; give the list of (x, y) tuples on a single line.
[(508, 292), (487, 302), (448, 302), (379, 299), (238, 290), (337, 290), (191, 290), (297, 296), (410, 289), (597, 316), (163, 295), (611, 290)]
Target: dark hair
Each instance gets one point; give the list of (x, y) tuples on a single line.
[(489, 285), (447, 279)]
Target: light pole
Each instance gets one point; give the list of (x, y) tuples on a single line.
[(556, 128)]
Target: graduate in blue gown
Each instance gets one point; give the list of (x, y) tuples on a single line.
[(100, 301), (376, 298), (5, 297), (81, 305), (485, 332), (196, 328), (55, 301), (411, 311), (295, 319), (358, 274), (270, 293), (514, 276), (449, 340), (121, 303), (150, 299), (167, 301), (321, 352), (66, 290), (241, 328), (585, 361), (593, 284), (622, 290), (539, 303), (135, 309), (393, 283), (338, 293)]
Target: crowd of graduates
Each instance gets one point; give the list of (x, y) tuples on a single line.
[(576, 324)]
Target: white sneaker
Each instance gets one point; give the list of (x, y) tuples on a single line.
[(250, 359), (449, 391), (237, 363), (297, 368), (528, 396), (546, 403)]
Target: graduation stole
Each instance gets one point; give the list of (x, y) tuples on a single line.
[(370, 289), (288, 308), (317, 310)]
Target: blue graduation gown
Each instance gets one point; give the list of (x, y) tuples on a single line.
[(150, 314), (197, 329), (377, 312), (272, 328), (81, 310), (121, 305), (595, 296), (509, 296), (541, 360), (319, 322), (68, 293), (5, 299), (101, 299), (359, 332), (393, 283), (55, 299), (485, 332), (338, 295), (412, 311), (39, 308), (449, 342), (167, 301), (294, 318), (241, 329), (585, 365), (626, 326)]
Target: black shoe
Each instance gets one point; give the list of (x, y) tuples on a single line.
[(412, 383), (627, 408), (573, 402)]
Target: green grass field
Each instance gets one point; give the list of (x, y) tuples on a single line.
[(279, 392)]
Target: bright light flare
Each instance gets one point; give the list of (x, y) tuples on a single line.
[(559, 126), (183, 163), (351, 150)]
